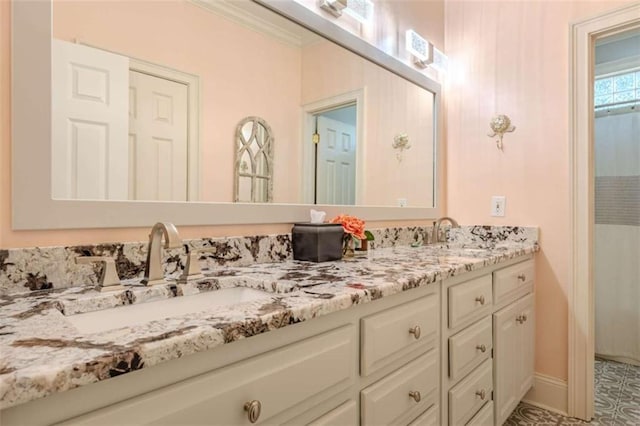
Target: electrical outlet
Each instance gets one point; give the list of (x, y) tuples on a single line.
[(402, 202), (498, 203)]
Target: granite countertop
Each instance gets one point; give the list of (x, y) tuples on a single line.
[(43, 353)]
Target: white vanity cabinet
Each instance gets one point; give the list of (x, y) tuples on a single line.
[(373, 364), (459, 352), (488, 343)]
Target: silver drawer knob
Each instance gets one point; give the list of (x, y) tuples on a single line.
[(522, 277), (480, 299), (415, 395), (253, 409), (415, 331), (481, 393), (481, 348)]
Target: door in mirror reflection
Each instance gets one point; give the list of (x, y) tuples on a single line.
[(89, 123), (158, 117), (117, 133), (336, 156)]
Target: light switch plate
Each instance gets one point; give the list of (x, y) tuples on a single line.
[(498, 204)]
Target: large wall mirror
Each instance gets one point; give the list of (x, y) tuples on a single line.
[(133, 109)]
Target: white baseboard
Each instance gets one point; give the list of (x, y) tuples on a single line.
[(548, 393)]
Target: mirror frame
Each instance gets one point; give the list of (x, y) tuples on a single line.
[(32, 205)]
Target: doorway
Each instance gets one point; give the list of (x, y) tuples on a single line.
[(333, 151), (335, 156), (581, 291), (616, 139)]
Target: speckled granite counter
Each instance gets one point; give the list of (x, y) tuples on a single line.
[(43, 353)]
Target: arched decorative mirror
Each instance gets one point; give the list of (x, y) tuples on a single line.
[(254, 161)]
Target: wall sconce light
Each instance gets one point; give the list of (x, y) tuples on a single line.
[(420, 48), (500, 124), (400, 143), (360, 10), (334, 7)]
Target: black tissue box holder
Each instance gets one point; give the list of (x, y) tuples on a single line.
[(317, 242)]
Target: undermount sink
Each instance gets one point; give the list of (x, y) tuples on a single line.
[(123, 316)]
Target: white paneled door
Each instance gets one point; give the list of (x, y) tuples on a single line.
[(158, 120), (89, 123), (336, 162)]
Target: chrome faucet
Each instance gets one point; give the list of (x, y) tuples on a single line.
[(435, 236), (154, 273)]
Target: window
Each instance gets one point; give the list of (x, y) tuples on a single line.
[(617, 89)]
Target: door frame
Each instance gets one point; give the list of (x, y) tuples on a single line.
[(581, 336), (309, 111), (193, 116), (194, 108)]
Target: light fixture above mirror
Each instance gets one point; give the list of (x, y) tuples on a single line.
[(419, 47), (360, 10)]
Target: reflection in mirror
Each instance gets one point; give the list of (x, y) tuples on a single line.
[(254, 161), (160, 72), (335, 154)]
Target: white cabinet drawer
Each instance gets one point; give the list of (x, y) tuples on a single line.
[(512, 282), (343, 415), (283, 378), (469, 300), (469, 348), (484, 416), (390, 334), (428, 418), (467, 397), (403, 393)]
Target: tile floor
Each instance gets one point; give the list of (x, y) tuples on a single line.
[(617, 400)]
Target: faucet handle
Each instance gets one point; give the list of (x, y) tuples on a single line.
[(192, 269), (109, 280)]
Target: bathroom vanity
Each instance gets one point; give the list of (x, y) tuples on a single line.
[(439, 334)]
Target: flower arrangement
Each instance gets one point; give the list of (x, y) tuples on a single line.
[(353, 228)]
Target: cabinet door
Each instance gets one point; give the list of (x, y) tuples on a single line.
[(527, 346), (514, 328), (506, 335)]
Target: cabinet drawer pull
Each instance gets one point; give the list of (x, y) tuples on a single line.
[(520, 319), (415, 395), (481, 393), (481, 348), (524, 318), (415, 331), (480, 299), (253, 409), (522, 277)]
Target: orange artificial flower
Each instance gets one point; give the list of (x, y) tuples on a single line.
[(351, 225)]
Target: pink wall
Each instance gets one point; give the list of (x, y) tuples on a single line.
[(512, 58), (242, 72)]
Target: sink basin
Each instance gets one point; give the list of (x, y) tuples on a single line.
[(123, 316)]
